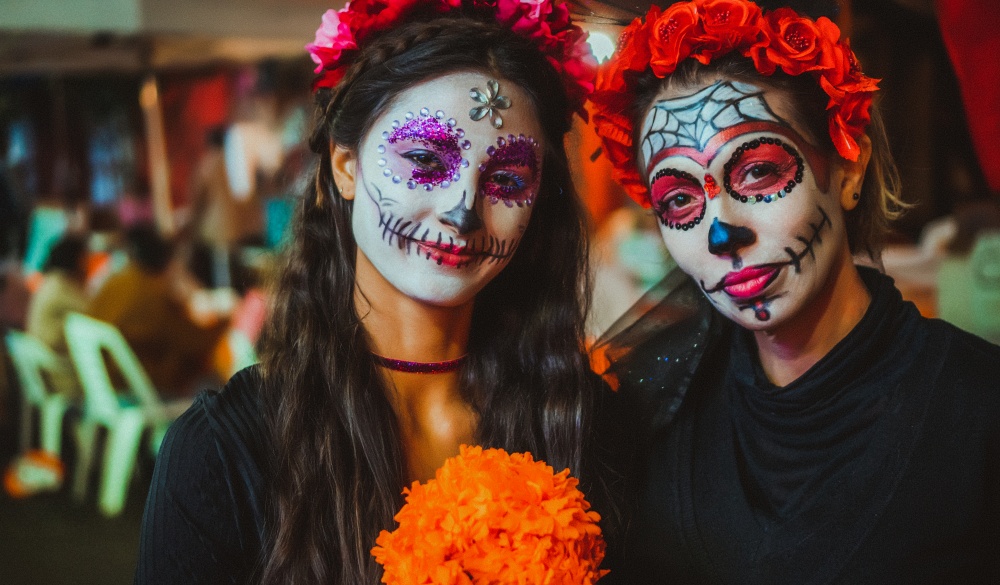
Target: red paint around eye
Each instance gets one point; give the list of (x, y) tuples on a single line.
[(678, 198), (763, 169)]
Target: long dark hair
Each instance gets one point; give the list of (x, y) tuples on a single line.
[(339, 466), (869, 223)]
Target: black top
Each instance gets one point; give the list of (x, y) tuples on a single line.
[(881, 464), (205, 513)]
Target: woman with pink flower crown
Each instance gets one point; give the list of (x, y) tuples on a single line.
[(431, 297), (799, 422)]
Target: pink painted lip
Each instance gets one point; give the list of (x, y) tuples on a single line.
[(446, 254), (749, 282)]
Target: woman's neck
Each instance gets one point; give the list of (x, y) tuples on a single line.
[(789, 351), (433, 416)]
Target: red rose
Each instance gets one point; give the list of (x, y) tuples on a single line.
[(732, 22), (794, 42), (848, 121), (632, 55), (672, 37)]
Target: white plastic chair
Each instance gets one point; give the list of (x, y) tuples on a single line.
[(31, 359), (125, 415)]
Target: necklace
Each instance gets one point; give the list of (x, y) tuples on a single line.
[(419, 367)]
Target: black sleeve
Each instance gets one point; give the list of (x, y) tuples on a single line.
[(195, 527)]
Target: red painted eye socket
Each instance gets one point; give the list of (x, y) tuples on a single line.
[(763, 167), (678, 198)]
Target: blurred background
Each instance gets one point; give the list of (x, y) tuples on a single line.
[(150, 154)]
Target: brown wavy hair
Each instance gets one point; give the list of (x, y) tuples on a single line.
[(338, 463), (880, 203)]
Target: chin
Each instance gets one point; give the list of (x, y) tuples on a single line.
[(445, 295)]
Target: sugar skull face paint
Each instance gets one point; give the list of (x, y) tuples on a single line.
[(513, 163), (743, 198), (440, 209), (439, 160)]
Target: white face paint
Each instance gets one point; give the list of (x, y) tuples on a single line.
[(443, 200), (744, 200)]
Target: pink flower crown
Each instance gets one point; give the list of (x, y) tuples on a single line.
[(707, 29), (546, 23)]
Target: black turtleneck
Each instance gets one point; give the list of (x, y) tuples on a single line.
[(880, 464)]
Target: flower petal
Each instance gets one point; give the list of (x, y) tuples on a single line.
[(493, 87), (476, 94), (501, 102), (497, 120), (478, 112)]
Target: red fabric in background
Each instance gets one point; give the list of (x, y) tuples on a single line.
[(971, 36), (192, 105)]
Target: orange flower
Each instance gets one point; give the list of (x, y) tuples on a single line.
[(489, 517)]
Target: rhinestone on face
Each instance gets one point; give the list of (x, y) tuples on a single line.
[(386, 173), (397, 179), (445, 184), (381, 147), (411, 184), (395, 125), (385, 135), (425, 112), (381, 162), (409, 116), (452, 122), (439, 115), (460, 133), (428, 187), (466, 145), (465, 163)]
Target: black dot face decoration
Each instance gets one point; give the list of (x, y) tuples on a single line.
[(762, 170), (678, 199)]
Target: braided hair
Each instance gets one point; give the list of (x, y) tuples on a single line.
[(338, 466)]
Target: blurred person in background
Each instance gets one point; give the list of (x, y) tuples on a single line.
[(61, 292), (148, 302)]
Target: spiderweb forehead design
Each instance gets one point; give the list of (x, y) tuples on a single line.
[(693, 120)]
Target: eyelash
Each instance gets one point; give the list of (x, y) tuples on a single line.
[(415, 156), (519, 183)]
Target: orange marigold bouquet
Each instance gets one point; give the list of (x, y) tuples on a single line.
[(489, 517)]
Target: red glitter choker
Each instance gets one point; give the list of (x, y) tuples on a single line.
[(419, 367)]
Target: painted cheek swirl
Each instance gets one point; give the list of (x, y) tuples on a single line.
[(439, 162), (763, 170), (511, 175), (678, 199)]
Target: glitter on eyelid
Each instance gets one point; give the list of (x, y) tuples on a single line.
[(435, 134), (515, 151)]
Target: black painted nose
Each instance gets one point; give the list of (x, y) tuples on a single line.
[(726, 240), (462, 218)]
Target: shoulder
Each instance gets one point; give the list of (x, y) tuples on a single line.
[(206, 509), (227, 420), (967, 360)]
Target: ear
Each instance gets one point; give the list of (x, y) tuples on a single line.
[(854, 174), (344, 164)]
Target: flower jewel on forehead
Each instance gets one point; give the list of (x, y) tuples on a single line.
[(707, 29), (546, 23)]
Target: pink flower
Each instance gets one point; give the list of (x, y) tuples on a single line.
[(332, 38)]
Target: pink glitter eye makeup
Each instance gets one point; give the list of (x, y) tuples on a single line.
[(677, 198), (511, 174), (763, 170), (432, 146)]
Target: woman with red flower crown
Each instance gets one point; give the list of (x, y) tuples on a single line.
[(431, 297), (798, 422)]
